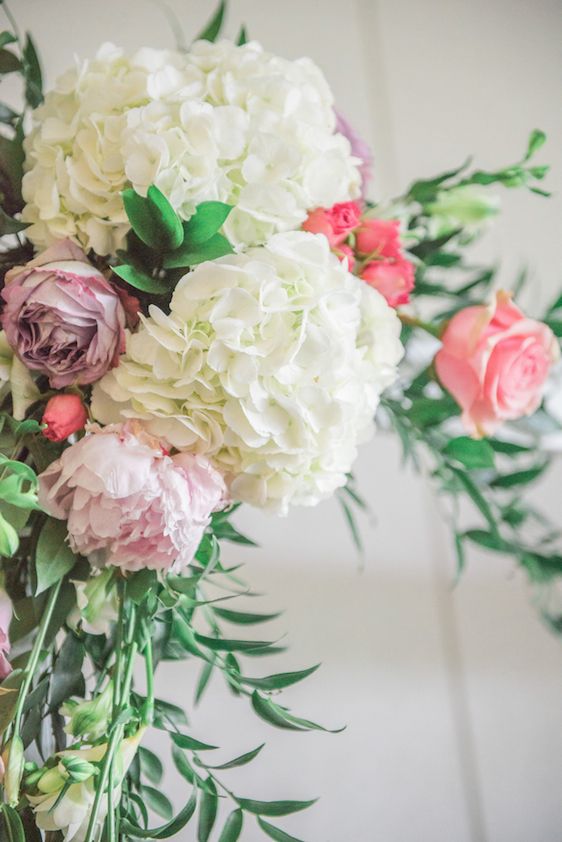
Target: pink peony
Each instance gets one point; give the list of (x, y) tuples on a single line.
[(127, 502), (5, 619), (62, 317), (379, 238), (336, 223), (392, 278), (495, 361), (64, 415)]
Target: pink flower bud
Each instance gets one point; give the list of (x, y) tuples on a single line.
[(379, 237), (336, 223), (392, 278), (64, 415)]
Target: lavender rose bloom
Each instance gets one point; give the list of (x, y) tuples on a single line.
[(359, 149), (62, 317)]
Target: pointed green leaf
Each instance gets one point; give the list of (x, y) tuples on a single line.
[(53, 557), (141, 280), (242, 36), (222, 645), (239, 761), (9, 539), (519, 477), (205, 222), (244, 618), (473, 453), (274, 808), (279, 716), (214, 27), (153, 219), (187, 255), (185, 742), (151, 765), (165, 831), (32, 73), (536, 140), (280, 680), (276, 833), (13, 827), (157, 802), (233, 827), (9, 62), (207, 811)]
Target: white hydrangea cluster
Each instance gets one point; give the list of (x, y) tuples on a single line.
[(223, 122), (270, 362)]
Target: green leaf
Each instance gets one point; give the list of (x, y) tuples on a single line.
[(9, 63), (205, 222), (476, 496), (217, 246), (207, 811), (157, 802), (53, 557), (67, 679), (242, 36), (9, 225), (13, 826), (488, 540), (274, 808), (243, 618), (32, 72), (167, 830), (233, 827), (208, 552), (508, 447), (473, 453), (279, 716), (241, 760), (9, 539), (140, 584), (185, 742), (276, 833), (153, 219), (141, 280), (151, 765), (536, 140), (223, 645), (7, 38), (280, 680), (519, 477), (225, 531), (204, 677), (213, 28)]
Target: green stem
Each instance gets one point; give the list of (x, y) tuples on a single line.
[(129, 647), (35, 654), (148, 712), (412, 321)]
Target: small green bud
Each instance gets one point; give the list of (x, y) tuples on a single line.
[(14, 761), (89, 719), (78, 770), (51, 781)]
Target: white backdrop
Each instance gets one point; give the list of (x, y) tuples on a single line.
[(451, 696)]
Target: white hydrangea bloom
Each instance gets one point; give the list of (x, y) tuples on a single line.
[(270, 362), (221, 122)]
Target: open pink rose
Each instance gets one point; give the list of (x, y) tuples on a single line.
[(336, 223), (127, 502), (494, 361), (392, 278), (379, 237), (62, 317)]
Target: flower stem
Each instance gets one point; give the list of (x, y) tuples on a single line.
[(412, 321), (35, 654), (148, 712)]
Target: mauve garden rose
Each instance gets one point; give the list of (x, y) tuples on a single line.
[(127, 502), (495, 361), (359, 149), (62, 317)]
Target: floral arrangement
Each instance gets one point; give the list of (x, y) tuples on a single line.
[(202, 309)]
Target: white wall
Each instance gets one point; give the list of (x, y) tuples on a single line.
[(451, 697)]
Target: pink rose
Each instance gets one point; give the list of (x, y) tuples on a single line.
[(336, 223), (379, 238), (127, 502), (495, 361), (392, 278), (62, 317), (5, 619), (64, 415)]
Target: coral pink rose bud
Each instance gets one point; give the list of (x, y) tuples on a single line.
[(379, 238), (346, 253), (62, 317), (495, 361), (64, 415), (128, 503), (336, 223), (394, 279)]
